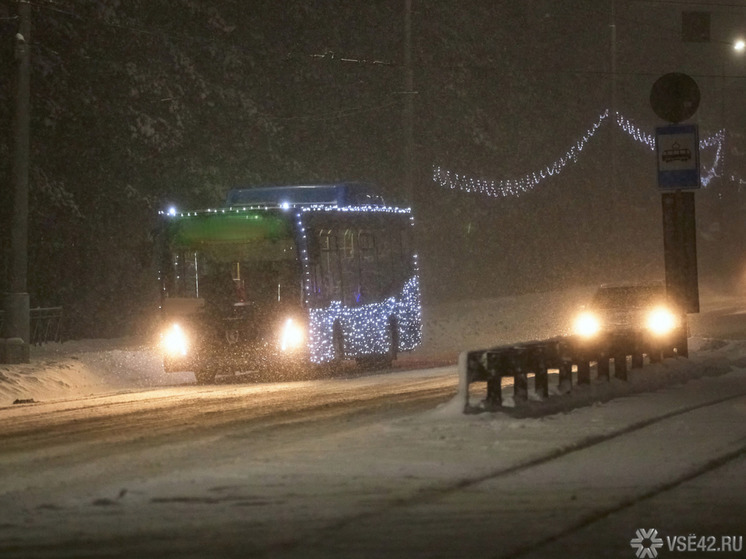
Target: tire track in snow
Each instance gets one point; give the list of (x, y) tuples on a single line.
[(706, 468), (435, 492)]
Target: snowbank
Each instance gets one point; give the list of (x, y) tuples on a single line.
[(82, 368)]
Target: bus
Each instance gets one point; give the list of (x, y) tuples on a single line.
[(288, 277)]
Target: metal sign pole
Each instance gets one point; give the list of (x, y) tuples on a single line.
[(17, 323), (675, 98)]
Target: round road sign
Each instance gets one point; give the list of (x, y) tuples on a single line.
[(674, 97)]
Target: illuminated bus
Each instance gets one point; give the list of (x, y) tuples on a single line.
[(288, 277)]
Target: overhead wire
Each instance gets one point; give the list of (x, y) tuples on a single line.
[(347, 112)]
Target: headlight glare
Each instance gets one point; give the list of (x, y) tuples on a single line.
[(174, 341), (292, 335), (661, 321), (587, 325)]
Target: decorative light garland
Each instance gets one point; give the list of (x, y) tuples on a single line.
[(516, 187), (634, 131), (366, 329), (717, 140)]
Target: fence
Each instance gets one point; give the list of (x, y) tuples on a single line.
[(46, 325)]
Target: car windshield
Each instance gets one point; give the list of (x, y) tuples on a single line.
[(629, 297)]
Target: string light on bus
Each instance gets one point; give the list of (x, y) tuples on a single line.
[(288, 205), (370, 325), (517, 187)]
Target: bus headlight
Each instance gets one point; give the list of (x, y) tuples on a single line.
[(292, 335), (661, 321), (174, 341), (587, 325)]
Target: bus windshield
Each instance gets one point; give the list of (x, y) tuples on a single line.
[(232, 262)]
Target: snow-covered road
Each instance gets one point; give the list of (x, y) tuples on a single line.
[(384, 465), (370, 467)]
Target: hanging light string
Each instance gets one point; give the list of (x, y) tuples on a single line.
[(634, 131), (516, 187), (717, 141)]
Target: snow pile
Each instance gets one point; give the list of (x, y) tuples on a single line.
[(82, 368)]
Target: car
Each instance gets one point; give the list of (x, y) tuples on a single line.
[(633, 319)]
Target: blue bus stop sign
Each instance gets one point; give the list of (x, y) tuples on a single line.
[(677, 147)]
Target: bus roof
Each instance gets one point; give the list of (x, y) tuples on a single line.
[(341, 194)]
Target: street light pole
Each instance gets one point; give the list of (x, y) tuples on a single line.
[(612, 110), (17, 327), (727, 205), (409, 174)]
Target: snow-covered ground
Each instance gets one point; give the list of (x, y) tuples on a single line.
[(82, 368), (166, 478), (428, 483)]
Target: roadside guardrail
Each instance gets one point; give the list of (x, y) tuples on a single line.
[(46, 324), (518, 361)]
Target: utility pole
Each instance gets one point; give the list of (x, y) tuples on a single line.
[(409, 173), (17, 322), (612, 109)]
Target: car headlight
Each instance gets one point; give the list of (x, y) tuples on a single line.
[(174, 341), (292, 335), (587, 325), (661, 321)]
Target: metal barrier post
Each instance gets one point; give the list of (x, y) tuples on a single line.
[(620, 367), (541, 382), (494, 392), (520, 387), (584, 371), (637, 360), (637, 350), (518, 362), (565, 378), (602, 367), (463, 378)]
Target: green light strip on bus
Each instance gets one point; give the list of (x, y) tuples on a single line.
[(228, 228)]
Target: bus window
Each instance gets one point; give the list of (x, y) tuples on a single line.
[(358, 266), (182, 281), (401, 264), (370, 269), (349, 244), (327, 277), (350, 269)]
